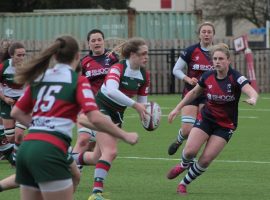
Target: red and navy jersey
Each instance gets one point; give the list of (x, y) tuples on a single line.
[(55, 100), (222, 97), (95, 68), (198, 61)]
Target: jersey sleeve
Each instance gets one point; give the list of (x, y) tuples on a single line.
[(114, 73), (25, 102), (240, 79), (202, 79), (186, 54), (144, 89), (85, 96)]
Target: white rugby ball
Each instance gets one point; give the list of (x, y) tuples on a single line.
[(152, 121)]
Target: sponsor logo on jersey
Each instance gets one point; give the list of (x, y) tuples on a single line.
[(184, 53), (96, 72), (202, 67), (43, 122), (124, 83), (241, 79), (220, 98)]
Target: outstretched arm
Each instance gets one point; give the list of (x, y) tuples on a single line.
[(251, 93), (98, 121), (190, 96)]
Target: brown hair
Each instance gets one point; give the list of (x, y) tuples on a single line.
[(206, 24), (131, 46), (5, 44), (64, 50), (14, 46)]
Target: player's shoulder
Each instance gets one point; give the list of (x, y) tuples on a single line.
[(193, 47)]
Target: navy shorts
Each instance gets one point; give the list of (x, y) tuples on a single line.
[(212, 128)]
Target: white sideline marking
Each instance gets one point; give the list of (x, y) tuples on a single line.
[(245, 117), (222, 161), (244, 109)]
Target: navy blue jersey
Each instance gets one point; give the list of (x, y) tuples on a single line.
[(222, 97), (198, 61)]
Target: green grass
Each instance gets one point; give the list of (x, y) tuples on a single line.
[(241, 172)]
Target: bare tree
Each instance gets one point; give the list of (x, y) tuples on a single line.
[(255, 11)]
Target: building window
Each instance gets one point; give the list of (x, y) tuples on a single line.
[(166, 3)]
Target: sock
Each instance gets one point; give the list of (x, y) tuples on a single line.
[(185, 161), (180, 137), (78, 157), (101, 171), (194, 171)]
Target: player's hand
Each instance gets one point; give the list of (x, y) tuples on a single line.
[(251, 101), (131, 138), (191, 81), (173, 114), (9, 101), (141, 109)]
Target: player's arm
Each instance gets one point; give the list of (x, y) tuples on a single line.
[(23, 108), (178, 72), (190, 96), (251, 93), (97, 120)]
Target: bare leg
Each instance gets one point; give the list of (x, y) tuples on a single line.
[(8, 183)]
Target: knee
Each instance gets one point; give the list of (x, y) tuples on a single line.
[(186, 130), (205, 161), (111, 154), (83, 140), (189, 153)]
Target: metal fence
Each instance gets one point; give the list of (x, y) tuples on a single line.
[(161, 63), (163, 55)]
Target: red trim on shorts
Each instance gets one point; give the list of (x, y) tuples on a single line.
[(47, 138)]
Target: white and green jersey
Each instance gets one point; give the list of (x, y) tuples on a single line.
[(55, 99), (10, 88), (130, 83)]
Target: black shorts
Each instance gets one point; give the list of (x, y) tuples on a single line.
[(212, 128)]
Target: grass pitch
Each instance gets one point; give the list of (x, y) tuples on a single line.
[(241, 172)]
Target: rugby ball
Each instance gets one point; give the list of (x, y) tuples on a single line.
[(152, 121)]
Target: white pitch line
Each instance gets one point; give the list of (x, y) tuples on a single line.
[(244, 117), (170, 159)]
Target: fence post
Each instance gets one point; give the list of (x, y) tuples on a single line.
[(172, 78)]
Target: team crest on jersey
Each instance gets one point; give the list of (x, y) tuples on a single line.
[(107, 61), (229, 87), (210, 86), (88, 65)]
